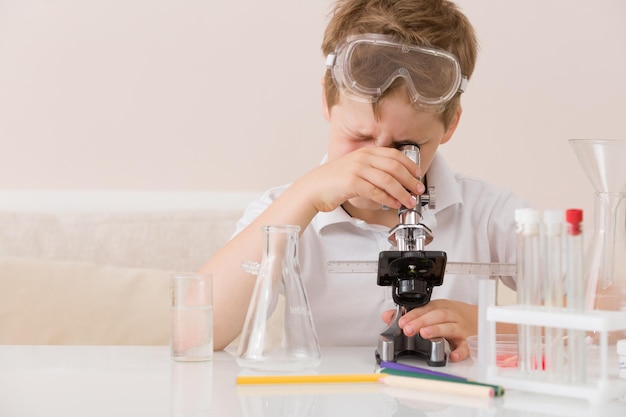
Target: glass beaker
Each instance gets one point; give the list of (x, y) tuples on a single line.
[(604, 163), (279, 290)]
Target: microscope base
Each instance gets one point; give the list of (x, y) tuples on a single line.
[(433, 350)]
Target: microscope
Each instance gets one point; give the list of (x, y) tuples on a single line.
[(412, 273)]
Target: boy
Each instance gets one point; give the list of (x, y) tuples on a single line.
[(396, 73)]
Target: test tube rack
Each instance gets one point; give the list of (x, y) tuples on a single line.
[(601, 386)]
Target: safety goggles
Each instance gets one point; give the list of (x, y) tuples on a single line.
[(368, 64)]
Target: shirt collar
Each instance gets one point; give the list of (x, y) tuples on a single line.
[(447, 191), (339, 216)]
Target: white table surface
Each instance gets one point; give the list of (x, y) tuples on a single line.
[(143, 381)]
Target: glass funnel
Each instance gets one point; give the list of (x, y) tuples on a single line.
[(604, 163)]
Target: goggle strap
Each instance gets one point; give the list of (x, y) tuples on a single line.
[(463, 86), (330, 60)]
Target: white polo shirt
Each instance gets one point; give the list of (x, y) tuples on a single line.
[(473, 222)]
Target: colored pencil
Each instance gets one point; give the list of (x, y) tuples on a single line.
[(497, 390), (409, 368), (440, 386), (308, 379)]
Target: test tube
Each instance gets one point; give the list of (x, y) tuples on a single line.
[(554, 351), (528, 287), (575, 293)]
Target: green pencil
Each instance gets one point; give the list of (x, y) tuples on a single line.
[(497, 390)]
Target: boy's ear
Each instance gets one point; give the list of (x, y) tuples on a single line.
[(325, 110), (453, 125)]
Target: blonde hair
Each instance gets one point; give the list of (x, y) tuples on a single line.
[(436, 23)]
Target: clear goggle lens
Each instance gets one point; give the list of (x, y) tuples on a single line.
[(367, 65)]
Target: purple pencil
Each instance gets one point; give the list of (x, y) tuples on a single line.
[(415, 369)]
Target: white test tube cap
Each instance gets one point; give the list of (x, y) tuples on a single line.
[(527, 216), (554, 216)]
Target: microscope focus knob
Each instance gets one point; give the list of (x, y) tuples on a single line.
[(429, 199)]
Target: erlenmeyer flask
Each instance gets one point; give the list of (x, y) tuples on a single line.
[(604, 162), (279, 290)]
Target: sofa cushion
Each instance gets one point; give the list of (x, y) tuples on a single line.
[(64, 302), (173, 240)]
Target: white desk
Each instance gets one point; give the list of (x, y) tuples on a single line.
[(144, 381)]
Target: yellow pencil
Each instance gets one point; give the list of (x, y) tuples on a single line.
[(308, 379)]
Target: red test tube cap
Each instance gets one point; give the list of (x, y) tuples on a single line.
[(574, 217)]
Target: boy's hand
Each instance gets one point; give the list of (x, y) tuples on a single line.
[(380, 174), (452, 320)]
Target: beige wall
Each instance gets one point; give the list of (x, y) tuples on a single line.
[(200, 95)]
